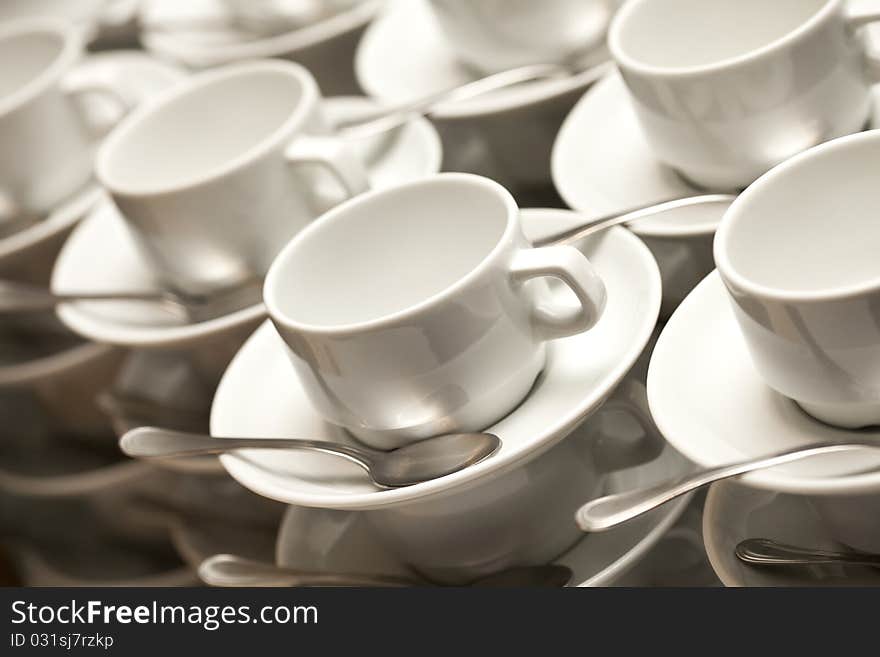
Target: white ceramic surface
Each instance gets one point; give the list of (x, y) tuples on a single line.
[(440, 325), (495, 35), (30, 253), (45, 130), (812, 331), (416, 152), (752, 85), (581, 372), (603, 164), (339, 541), (734, 513), (404, 56), (199, 34), (253, 161), (530, 488), (713, 406)]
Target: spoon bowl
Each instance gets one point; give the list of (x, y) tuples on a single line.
[(422, 461)]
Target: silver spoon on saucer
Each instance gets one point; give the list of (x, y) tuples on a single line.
[(767, 552), (422, 461), (232, 571), (20, 297), (609, 511)]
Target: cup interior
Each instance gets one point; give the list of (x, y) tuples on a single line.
[(685, 33), (812, 225), (31, 54), (388, 251), (200, 131)]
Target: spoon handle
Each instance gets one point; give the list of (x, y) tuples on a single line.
[(231, 571), (154, 443), (570, 235), (391, 117), (17, 297), (609, 511), (766, 552)]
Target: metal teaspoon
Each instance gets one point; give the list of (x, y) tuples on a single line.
[(422, 461), (609, 511)]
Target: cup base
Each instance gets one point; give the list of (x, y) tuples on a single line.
[(469, 414), (844, 415)]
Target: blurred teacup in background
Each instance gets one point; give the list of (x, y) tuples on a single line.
[(218, 173), (422, 309), (797, 252), (47, 138), (495, 35), (276, 16), (726, 89)]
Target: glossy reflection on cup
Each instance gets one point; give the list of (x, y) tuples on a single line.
[(217, 174), (798, 254), (727, 89), (495, 35), (422, 309)]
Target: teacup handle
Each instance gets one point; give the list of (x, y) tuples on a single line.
[(76, 91), (332, 155), (571, 267), (858, 19)]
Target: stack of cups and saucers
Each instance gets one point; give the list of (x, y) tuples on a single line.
[(435, 292)]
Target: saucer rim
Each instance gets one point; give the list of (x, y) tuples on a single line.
[(478, 107), (99, 330), (276, 46), (713, 542), (770, 479), (239, 468)]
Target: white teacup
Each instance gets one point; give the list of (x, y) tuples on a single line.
[(727, 89), (421, 310), (495, 35), (218, 173), (798, 252), (47, 141)]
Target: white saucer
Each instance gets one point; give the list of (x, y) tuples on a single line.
[(710, 403), (734, 513), (260, 394), (325, 540), (100, 254), (137, 77), (602, 164), (214, 43), (403, 56)]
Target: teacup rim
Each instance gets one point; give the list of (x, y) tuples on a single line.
[(115, 139), (626, 62), (742, 283), (272, 284), (71, 44)]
